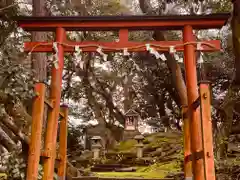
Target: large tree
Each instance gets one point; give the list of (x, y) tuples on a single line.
[(39, 60)]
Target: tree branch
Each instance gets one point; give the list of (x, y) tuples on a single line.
[(146, 7), (235, 24), (16, 110), (6, 141), (175, 69), (6, 120)]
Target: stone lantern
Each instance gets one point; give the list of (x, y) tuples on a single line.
[(139, 145), (96, 146), (131, 120)]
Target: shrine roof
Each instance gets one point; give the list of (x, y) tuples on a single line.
[(108, 23), (131, 112)]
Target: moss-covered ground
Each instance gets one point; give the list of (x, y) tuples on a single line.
[(161, 166), (157, 170)]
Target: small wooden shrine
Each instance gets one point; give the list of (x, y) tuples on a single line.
[(131, 124), (131, 120)]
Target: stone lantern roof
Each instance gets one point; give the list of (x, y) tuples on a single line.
[(96, 138), (139, 137)]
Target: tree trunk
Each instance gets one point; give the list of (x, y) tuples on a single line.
[(108, 132), (230, 99), (6, 141), (177, 76), (95, 107), (10, 134), (175, 69), (2, 149), (39, 59), (17, 111), (235, 24), (5, 3), (127, 88), (224, 131), (5, 119)]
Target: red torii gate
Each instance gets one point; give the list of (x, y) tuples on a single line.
[(198, 146)]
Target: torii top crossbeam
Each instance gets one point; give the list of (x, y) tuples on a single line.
[(123, 24), (110, 23)]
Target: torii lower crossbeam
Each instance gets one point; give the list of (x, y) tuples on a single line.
[(87, 46), (195, 139)]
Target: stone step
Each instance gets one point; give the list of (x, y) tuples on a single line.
[(111, 168), (129, 169), (110, 165), (106, 169), (114, 178)]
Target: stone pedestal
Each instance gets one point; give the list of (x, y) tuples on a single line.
[(139, 145), (96, 151), (139, 150), (96, 147)]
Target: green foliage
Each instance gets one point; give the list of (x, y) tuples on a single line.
[(73, 138), (163, 168), (3, 176), (40, 173), (112, 7), (128, 145), (7, 25), (221, 6), (16, 80), (15, 166)]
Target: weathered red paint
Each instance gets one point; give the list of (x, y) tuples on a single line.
[(106, 26), (36, 132), (63, 143), (123, 36), (187, 143), (207, 135), (192, 92), (119, 46), (108, 23), (55, 94)]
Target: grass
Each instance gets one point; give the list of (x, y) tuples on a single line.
[(153, 140), (3, 176), (131, 175), (128, 146), (157, 170)]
